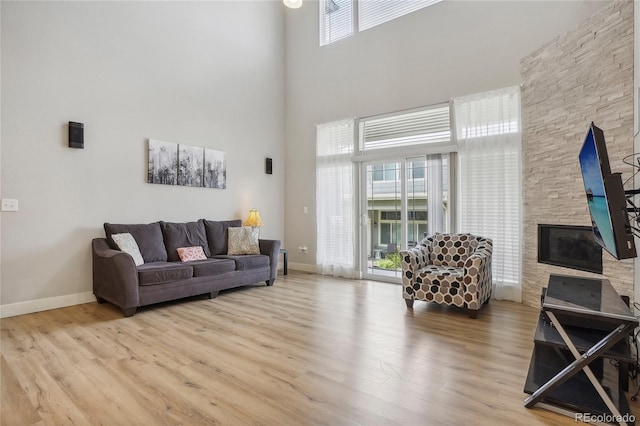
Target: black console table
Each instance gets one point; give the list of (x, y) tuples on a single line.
[(583, 326)]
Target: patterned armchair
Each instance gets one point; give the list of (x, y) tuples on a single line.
[(453, 269)]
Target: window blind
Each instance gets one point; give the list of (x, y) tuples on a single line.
[(336, 20), (429, 125), (376, 12)]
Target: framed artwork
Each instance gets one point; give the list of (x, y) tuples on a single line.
[(190, 165), (186, 165), (215, 169), (163, 162)]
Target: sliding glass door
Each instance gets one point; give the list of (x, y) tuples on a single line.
[(403, 201)]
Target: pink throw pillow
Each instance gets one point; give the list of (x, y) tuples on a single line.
[(191, 253)]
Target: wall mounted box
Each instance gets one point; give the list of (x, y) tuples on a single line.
[(76, 135)]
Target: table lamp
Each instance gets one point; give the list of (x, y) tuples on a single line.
[(253, 220)]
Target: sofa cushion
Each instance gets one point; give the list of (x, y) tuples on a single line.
[(148, 237), (205, 268), (218, 236), (243, 240), (162, 272), (127, 244), (186, 234), (450, 250), (247, 261)]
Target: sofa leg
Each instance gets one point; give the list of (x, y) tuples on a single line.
[(409, 303), (213, 294), (129, 312), (473, 313), (100, 300), (270, 282)]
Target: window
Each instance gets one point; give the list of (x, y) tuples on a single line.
[(427, 125), (385, 172), (336, 20), (415, 169), (376, 12), (336, 16)]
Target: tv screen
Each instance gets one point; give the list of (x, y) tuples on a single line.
[(605, 197)]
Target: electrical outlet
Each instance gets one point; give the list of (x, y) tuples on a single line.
[(9, 205), (302, 249)]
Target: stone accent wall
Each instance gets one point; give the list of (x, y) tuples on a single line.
[(582, 76)]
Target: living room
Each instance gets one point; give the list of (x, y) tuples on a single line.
[(250, 79)]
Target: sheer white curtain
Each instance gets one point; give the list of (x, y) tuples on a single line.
[(489, 135), (435, 222), (335, 199)]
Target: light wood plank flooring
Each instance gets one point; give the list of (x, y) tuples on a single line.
[(309, 350)]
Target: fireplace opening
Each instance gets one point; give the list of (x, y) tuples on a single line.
[(569, 246)]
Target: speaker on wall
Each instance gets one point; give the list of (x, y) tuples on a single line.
[(269, 166), (76, 135)]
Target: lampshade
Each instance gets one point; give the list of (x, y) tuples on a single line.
[(253, 219), (292, 4)]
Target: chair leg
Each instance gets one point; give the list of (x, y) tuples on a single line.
[(409, 303), (473, 313)]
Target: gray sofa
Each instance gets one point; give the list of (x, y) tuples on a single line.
[(163, 277)]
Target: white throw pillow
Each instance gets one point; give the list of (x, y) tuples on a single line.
[(244, 240), (127, 244)]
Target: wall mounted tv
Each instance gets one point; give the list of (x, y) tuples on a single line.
[(569, 246), (606, 197)]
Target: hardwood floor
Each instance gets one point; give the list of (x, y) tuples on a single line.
[(309, 350)]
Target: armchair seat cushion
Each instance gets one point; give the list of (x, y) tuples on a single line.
[(443, 276)]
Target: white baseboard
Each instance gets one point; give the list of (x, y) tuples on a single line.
[(304, 267), (30, 306)]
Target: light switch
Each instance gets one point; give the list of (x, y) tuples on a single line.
[(9, 205), (306, 210)]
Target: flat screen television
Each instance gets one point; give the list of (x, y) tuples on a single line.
[(605, 197)]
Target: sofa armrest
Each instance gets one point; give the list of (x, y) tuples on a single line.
[(115, 276), (271, 248)]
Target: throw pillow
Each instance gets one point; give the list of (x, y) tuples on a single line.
[(243, 240), (127, 244), (187, 254)]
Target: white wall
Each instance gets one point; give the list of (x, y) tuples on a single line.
[(209, 74), (449, 49)]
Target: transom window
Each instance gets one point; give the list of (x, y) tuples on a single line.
[(337, 16)]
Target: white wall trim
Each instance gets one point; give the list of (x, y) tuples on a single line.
[(304, 267), (38, 305)]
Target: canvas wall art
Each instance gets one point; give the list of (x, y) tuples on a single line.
[(163, 162), (186, 165), (190, 165), (215, 169)]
